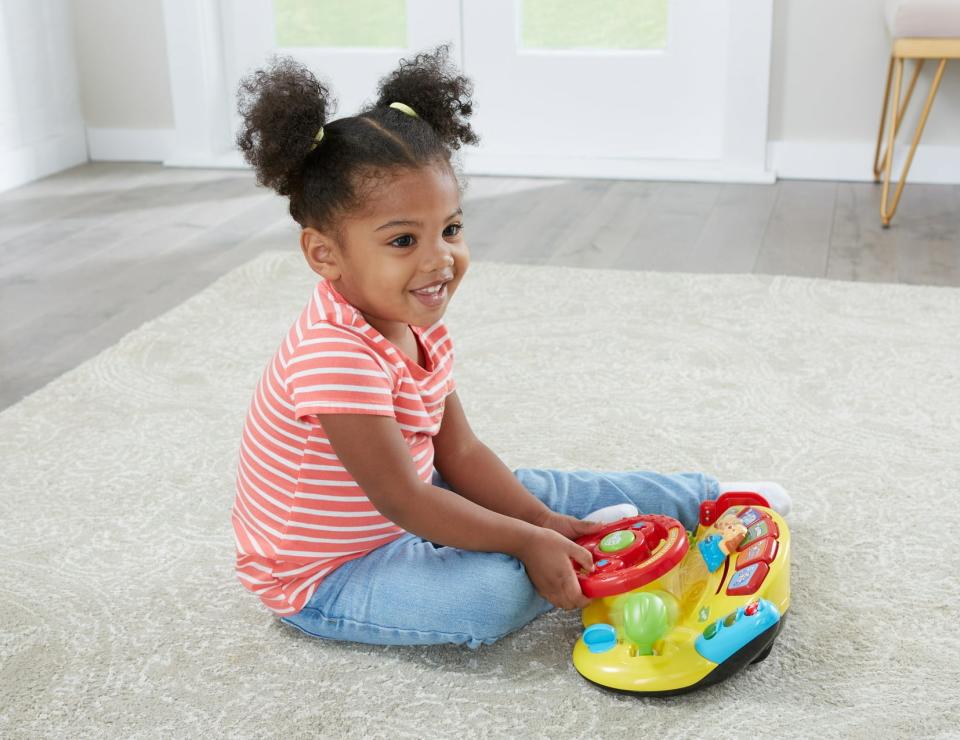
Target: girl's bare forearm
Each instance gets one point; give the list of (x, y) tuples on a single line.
[(481, 476), (444, 517)]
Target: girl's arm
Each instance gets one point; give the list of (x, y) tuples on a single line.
[(373, 450), (474, 471)]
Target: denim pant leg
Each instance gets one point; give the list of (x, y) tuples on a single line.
[(413, 592), (580, 492)]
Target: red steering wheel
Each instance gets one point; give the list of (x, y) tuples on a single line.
[(631, 553)]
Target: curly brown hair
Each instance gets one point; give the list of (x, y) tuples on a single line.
[(284, 106)]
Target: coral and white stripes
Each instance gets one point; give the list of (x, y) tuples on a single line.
[(298, 513)]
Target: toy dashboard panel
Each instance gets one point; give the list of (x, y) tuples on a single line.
[(731, 596)]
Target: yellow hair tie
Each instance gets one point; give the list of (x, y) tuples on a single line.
[(405, 108), (317, 139)]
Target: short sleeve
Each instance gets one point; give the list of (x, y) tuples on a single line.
[(444, 355), (332, 371)]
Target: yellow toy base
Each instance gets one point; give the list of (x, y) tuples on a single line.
[(721, 620)]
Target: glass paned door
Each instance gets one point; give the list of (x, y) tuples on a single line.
[(589, 95), (592, 24), (349, 45), (661, 89), (334, 23)]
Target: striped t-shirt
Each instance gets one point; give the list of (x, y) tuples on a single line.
[(298, 513)]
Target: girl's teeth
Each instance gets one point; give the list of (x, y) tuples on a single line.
[(432, 297)]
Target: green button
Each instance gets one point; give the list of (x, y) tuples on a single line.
[(758, 530), (711, 630), (617, 541)]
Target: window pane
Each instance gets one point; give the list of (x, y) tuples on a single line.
[(366, 23), (593, 24)]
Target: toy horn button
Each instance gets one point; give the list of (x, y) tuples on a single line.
[(600, 637), (609, 564), (619, 540)]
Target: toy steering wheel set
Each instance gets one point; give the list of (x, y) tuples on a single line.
[(675, 611)]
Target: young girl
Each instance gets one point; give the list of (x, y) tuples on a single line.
[(366, 509)]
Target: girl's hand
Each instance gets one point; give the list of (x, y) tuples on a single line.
[(546, 554), (569, 526)]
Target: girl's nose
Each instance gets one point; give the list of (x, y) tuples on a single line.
[(440, 257)]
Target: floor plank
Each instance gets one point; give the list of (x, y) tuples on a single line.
[(599, 235), (532, 236), (491, 220), (90, 253), (674, 220), (860, 248), (797, 239), (733, 235), (33, 206), (926, 238)]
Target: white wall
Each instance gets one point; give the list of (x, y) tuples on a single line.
[(828, 70), (124, 81), (827, 78), (41, 126)]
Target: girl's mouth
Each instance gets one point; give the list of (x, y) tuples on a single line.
[(432, 297)]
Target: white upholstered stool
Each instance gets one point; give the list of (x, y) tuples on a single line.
[(921, 30)]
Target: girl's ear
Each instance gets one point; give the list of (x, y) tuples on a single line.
[(319, 252)]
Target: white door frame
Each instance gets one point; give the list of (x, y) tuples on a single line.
[(748, 90), (202, 106), (201, 109)]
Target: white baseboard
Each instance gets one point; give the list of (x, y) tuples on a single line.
[(39, 159), (802, 160), (853, 160), (230, 160), (483, 163), (476, 163), (130, 144)]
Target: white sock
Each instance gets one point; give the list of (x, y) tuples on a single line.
[(613, 513), (774, 493)]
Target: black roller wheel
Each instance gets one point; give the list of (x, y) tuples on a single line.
[(763, 655)]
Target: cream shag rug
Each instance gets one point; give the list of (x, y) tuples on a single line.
[(119, 611)]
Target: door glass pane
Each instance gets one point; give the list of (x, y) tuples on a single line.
[(364, 23), (593, 24)]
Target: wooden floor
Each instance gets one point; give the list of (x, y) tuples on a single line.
[(90, 253)]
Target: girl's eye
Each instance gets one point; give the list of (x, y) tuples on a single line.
[(458, 227)]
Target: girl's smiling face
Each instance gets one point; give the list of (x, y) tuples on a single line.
[(409, 238)]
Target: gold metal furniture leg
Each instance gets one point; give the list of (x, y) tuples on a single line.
[(888, 209), (879, 164), (888, 160), (883, 120)]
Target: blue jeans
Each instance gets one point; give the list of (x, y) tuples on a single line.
[(413, 592)]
